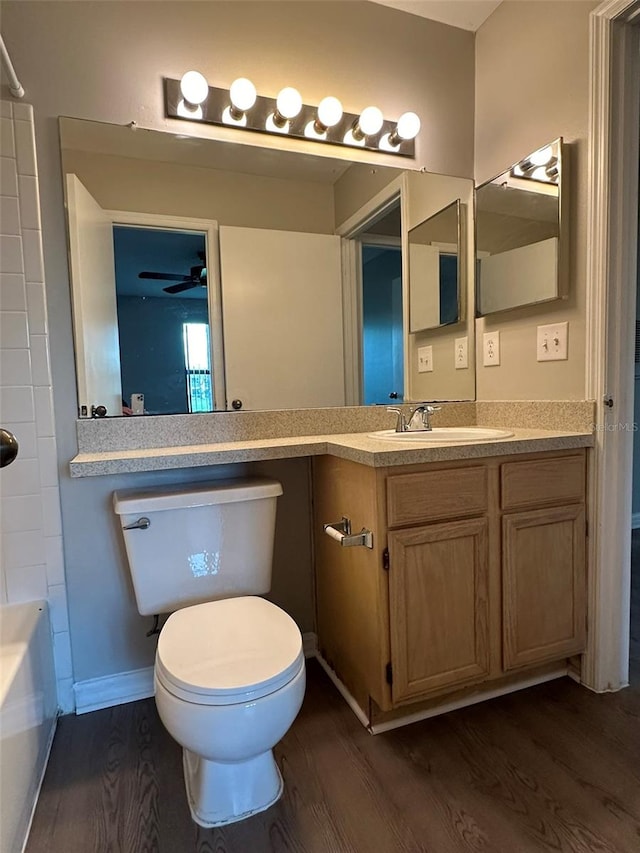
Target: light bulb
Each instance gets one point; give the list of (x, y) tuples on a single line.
[(542, 156), (370, 121), (289, 102), (194, 87), (408, 126), (329, 111), (243, 94)]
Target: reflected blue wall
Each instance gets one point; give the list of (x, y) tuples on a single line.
[(152, 351), (382, 324)]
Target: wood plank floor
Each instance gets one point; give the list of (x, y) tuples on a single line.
[(553, 768)]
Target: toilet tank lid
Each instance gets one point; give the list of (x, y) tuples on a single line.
[(194, 494)]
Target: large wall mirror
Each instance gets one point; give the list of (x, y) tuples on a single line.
[(521, 237), (208, 275)]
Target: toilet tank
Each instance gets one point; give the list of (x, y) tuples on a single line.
[(193, 543)]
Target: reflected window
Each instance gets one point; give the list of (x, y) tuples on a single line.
[(197, 366)]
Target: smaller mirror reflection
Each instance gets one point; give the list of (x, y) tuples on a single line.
[(434, 270), (520, 247)]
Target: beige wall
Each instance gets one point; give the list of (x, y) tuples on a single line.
[(105, 61), (229, 198), (532, 78)]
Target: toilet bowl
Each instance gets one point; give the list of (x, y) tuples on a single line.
[(229, 682)]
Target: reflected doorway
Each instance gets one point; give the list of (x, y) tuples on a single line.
[(163, 320), (382, 350), (382, 312)]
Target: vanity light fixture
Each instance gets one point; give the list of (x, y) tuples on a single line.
[(240, 106), (242, 95), (329, 114), (406, 129), (288, 106), (194, 90), (368, 123)]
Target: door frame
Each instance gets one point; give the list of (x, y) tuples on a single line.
[(614, 125), (214, 290)]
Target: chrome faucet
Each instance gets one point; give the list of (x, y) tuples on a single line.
[(419, 419)]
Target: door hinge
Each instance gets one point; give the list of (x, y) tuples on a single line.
[(388, 672), (385, 559), (586, 529)]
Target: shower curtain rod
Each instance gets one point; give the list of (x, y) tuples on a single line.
[(15, 87)]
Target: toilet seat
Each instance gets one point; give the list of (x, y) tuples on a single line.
[(229, 651)]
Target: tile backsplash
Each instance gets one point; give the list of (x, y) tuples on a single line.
[(31, 549)]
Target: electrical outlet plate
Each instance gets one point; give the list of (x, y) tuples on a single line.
[(552, 342), (491, 349), (461, 353), (425, 359)]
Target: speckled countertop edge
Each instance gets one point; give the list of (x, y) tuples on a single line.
[(357, 447)]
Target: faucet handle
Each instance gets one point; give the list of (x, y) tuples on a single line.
[(401, 419), (425, 410)]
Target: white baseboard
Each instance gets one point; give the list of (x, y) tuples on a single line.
[(635, 520), (344, 692), (417, 716), (472, 699), (97, 693)]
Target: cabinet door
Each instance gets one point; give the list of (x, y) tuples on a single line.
[(439, 611), (543, 577)]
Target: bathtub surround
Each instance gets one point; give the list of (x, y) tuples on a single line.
[(32, 559)]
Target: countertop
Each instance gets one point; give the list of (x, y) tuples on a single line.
[(358, 447)]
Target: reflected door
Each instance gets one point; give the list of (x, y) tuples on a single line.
[(282, 316), (382, 344), (94, 302)]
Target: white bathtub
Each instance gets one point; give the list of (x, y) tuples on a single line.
[(28, 711)]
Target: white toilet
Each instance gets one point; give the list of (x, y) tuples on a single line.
[(229, 671)]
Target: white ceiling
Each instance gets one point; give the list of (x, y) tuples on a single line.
[(466, 14)]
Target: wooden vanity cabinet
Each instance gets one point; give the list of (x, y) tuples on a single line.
[(477, 573), (543, 559), (438, 579)]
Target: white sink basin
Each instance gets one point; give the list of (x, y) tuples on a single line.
[(443, 434)]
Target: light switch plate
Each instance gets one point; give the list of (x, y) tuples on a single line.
[(425, 359), (491, 349), (461, 353), (552, 342)]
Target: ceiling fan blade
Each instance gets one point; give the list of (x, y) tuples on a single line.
[(164, 276), (180, 288)]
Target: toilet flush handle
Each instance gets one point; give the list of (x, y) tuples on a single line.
[(141, 524)]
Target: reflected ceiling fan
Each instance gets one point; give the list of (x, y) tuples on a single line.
[(197, 277)]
